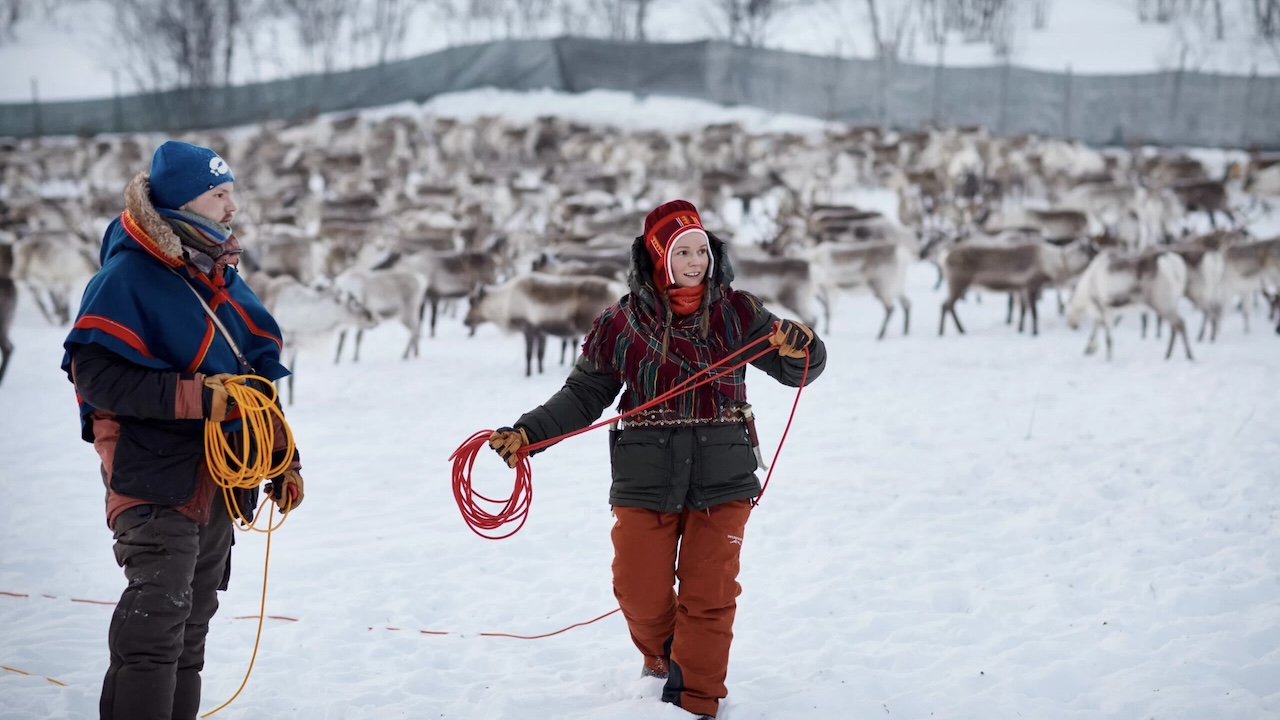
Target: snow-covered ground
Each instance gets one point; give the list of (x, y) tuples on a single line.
[(979, 526), (986, 526), (76, 52)]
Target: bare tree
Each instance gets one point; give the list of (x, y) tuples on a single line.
[(179, 43), (748, 21), (1266, 19), (892, 27), (382, 23), (531, 15), (320, 25), (615, 19), (1040, 13), (933, 20), (13, 12)]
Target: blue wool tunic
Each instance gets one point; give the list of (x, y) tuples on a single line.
[(140, 306)]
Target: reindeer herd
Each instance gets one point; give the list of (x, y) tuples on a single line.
[(349, 222)]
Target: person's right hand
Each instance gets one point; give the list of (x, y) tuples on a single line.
[(220, 401), (506, 441)]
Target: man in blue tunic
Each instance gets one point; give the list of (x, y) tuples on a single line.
[(162, 326)]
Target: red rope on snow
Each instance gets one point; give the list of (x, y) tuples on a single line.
[(515, 507)]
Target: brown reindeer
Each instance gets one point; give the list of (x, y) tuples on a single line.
[(1273, 300), (538, 305), (1022, 269), (450, 275), (1209, 196), (8, 304)]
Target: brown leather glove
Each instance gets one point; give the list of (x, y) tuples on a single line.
[(791, 338), (219, 402), (286, 490), (506, 441)]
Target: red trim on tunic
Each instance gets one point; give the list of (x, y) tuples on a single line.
[(203, 347), (219, 294), (254, 328), (115, 330), (141, 237)]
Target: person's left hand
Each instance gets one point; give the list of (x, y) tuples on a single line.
[(286, 490), (791, 338)]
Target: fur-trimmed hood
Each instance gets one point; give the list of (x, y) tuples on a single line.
[(137, 202), (640, 273)]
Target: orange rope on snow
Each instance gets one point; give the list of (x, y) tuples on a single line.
[(247, 470), (262, 612), (24, 672)]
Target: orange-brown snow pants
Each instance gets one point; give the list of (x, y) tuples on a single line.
[(686, 632)]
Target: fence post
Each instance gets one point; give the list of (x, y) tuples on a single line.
[(35, 108), (1066, 104), (1175, 95), (1248, 106), (830, 84), (937, 86), (1003, 127), (116, 111)]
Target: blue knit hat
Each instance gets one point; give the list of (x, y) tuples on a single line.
[(182, 172)]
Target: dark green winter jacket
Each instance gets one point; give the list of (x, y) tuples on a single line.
[(671, 468)]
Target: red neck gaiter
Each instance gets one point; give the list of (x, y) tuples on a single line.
[(685, 301)]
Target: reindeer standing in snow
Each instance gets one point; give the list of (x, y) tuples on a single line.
[(387, 294), (8, 304), (308, 314), (53, 264), (1022, 269), (538, 305), (1115, 280)]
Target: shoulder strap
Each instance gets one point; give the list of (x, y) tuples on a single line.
[(245, 367)]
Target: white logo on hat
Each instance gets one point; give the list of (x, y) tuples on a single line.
[(218, 166)]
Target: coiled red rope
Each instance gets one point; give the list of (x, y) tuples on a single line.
[(484, 521)]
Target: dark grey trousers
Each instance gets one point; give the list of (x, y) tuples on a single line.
[(175, 568)]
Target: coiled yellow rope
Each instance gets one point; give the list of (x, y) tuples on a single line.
[(246, 470), (251, 466)]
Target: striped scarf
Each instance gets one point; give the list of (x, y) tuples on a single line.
[(208, 245)]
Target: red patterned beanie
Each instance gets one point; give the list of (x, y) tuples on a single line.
[(662, 227)]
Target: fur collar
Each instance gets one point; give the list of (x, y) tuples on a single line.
[(640, 274), (137, 200)]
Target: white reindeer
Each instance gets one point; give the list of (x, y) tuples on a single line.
[(387, 294), (53, 265), (286, 250), (877, 266), (786, 281), (1249, 266), (308, 314), (1115, 280), (537, 305)]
